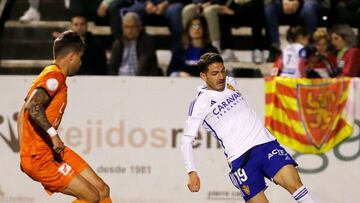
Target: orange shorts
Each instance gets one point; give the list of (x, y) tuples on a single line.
[(54, 176)]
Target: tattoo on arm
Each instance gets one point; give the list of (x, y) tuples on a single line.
[(36, 107)]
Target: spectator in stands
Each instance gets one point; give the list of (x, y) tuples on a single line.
[(93, 61), (348, 12), (32, 14), (210, 10), (115, 9), (321, 62), (344, 40), (196, 43), (309, 11), (134, 54), (240, 13), (169, 12), (87, 8), (293, 60)]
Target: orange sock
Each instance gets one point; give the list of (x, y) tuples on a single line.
[(106, 200), (79, 201)]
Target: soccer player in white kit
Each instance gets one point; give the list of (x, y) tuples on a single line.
[(252, 152)]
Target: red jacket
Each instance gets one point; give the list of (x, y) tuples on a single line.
[(350, 63)]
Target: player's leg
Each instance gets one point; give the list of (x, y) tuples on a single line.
[(86, 172), (279, 166), (258, 198), (288, 178), (248, 178), (59, 177), (80, 188), (89, 174)]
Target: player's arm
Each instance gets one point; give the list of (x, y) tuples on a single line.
[(197, 112), (188, 156), (192, 127), (36, 108)]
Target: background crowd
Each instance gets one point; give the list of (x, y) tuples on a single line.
[(321, 39)]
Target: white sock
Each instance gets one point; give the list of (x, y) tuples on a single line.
[(302, 195)]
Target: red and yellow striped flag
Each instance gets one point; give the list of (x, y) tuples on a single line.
[(308, 115)]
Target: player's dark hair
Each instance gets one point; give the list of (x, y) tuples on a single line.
[(208, 59), (294, 32), (66, 42)]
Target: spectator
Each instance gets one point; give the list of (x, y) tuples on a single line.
[(209, 9), (348, 12), (321, 62), (196, 43), (344, 40), (32, 14), (115, 9), (153, 12), (133, 54), (239, 13), (88, 9), (93, 61), (293, 59), (309, 11)]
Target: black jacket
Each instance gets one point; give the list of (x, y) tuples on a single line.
[(93, 61), (146, 54)]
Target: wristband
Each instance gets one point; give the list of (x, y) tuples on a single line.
[(52, 132)]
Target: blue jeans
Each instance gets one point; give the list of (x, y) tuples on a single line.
[(309, 13), (172, 17), (115, 17)]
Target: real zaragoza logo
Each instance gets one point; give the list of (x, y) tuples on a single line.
[(319, 108), (310, 115)]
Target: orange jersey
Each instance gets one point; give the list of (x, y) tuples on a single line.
[(33, 139)]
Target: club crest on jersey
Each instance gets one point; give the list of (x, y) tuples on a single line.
[(230, 87), (318, 107), (245, 189)]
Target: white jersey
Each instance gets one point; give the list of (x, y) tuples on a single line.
[(230, 120), (292, 54)]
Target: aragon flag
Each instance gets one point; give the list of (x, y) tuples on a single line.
[(310, 115)]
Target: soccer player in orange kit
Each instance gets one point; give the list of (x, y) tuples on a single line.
[(43, 155)]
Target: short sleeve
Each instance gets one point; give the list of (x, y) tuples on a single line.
[(51, 82)]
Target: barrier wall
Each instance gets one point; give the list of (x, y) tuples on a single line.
[(129, 130)]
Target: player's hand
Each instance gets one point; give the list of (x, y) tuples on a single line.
[(194, 182), (58, 144)]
